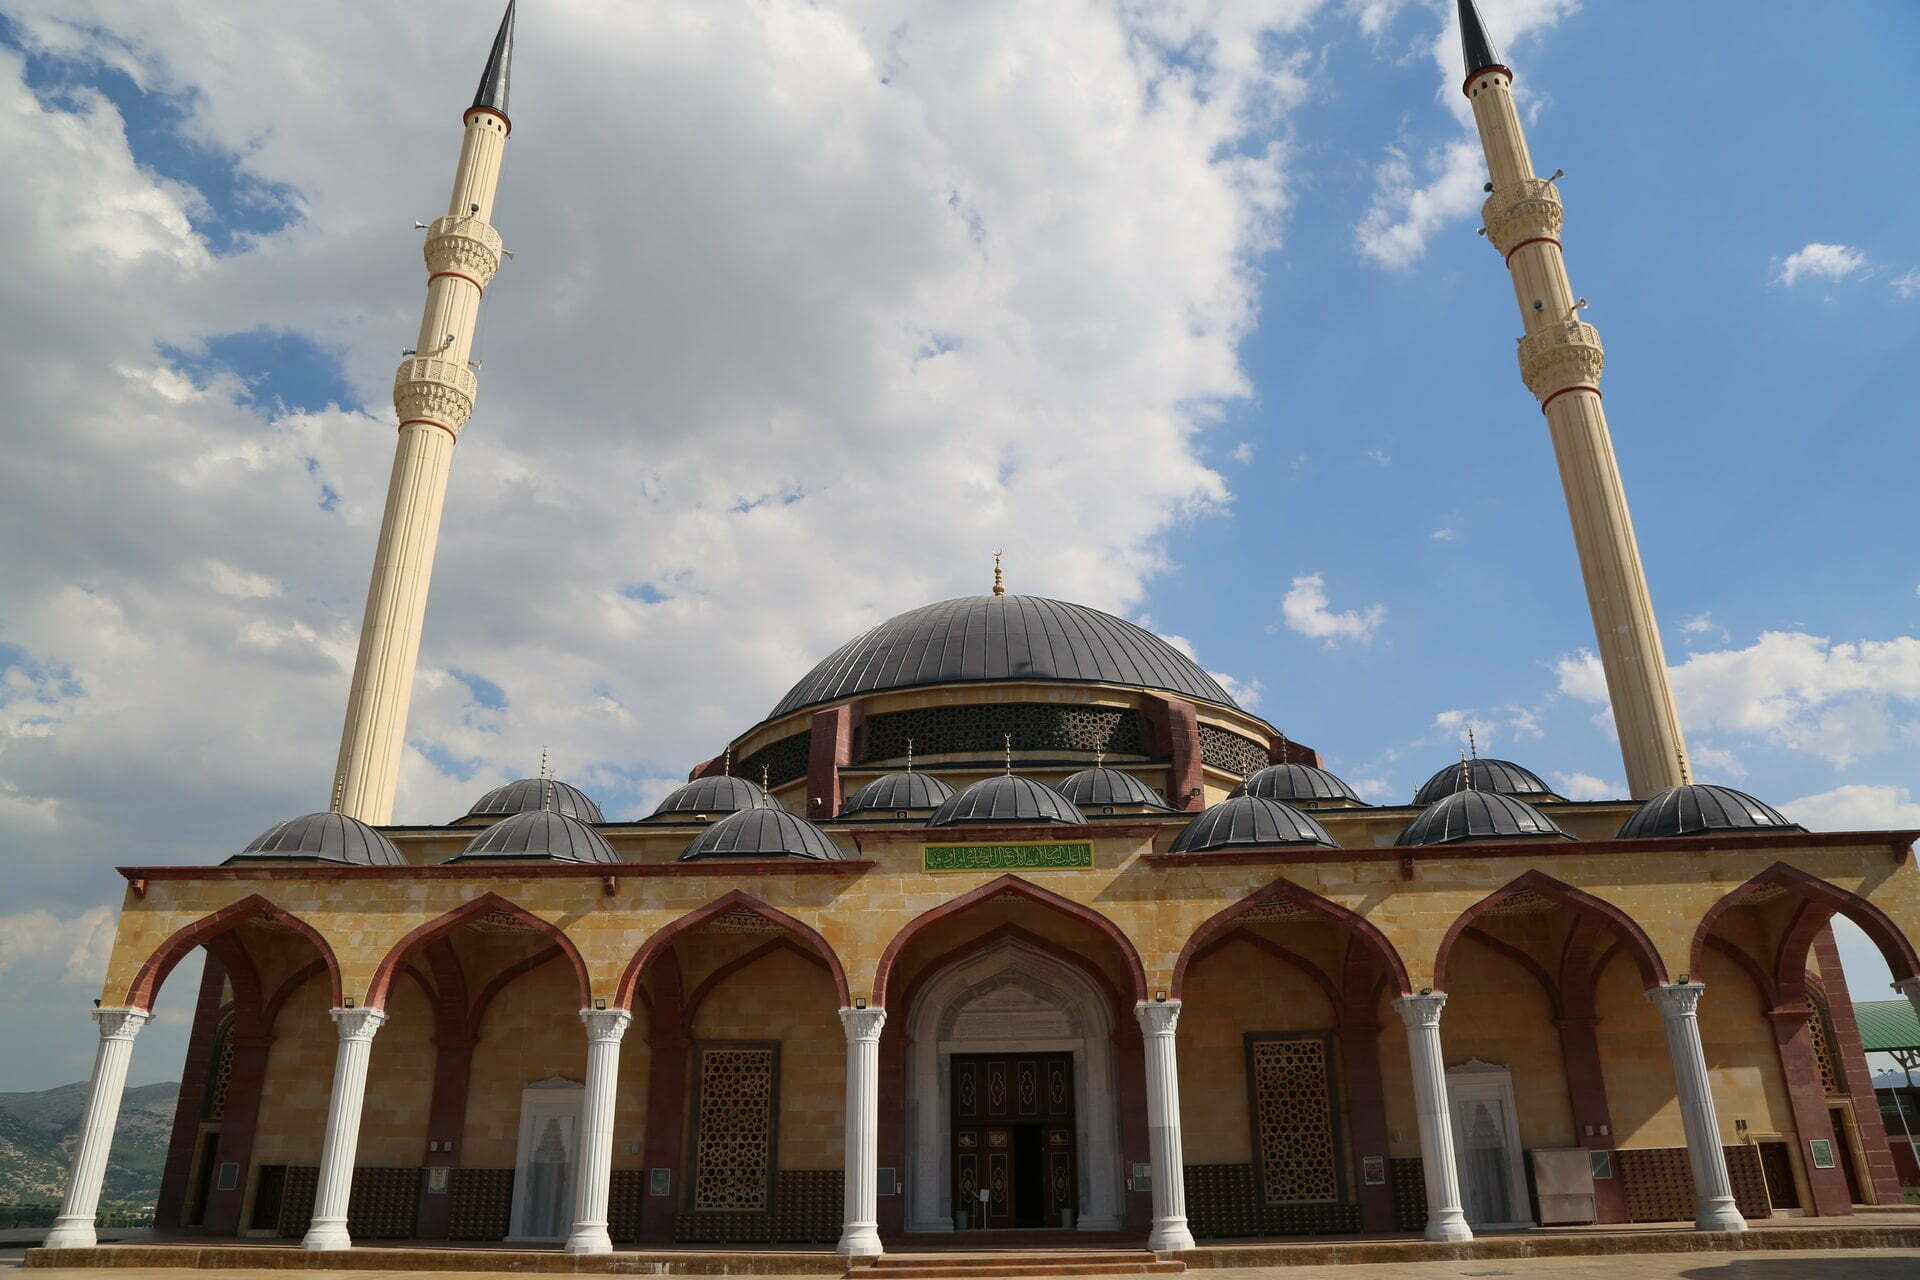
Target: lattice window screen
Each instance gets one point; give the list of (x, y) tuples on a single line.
[(1831, 1081), (733, 1155), (215, 1106), (1293, 1116)]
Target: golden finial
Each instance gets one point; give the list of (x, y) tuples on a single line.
[(546, 782), (726, 761), (1007, 738), (1466, 774), (1686, 770), (909, 755), (1473, 748), (1281, 755), (999, 584), (766, 776), (1100, 759), (339, 786)]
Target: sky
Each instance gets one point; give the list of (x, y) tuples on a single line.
[(815, 306)]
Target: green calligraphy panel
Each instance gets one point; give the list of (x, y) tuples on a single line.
[(1007, 857)]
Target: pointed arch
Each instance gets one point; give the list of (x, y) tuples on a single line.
[(1286, 956), (1828, 900), (1548, 987), (1014, 885), (152, 974), (1357, 926), (733, 900), (1646, 957), (440, 927), (705, 987)]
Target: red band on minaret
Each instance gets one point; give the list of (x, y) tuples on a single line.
[(458, 275), (1466, 86), (432, 422), (489, 111), (1533, 240), (1584, 386)]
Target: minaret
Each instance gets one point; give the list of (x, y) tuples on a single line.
[(433, 395), (1560, 361)]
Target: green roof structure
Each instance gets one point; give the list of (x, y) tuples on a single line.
[(1887, 1025)]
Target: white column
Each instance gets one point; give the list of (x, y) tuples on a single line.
[(1157, 1021), (1712, 1188), (1421, 1013), (328, 1230), (860, 1225), (605, 1027), (73, 1229)]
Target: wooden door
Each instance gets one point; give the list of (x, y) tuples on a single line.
[(1776, 1162), (1005, 1105)]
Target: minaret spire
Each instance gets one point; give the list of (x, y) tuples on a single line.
[(433, 393), (1561, 360)]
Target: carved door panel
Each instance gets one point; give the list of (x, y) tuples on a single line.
[(1013, 1135), (983, 1160)]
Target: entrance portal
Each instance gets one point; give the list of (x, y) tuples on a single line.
[(1013, 1136)]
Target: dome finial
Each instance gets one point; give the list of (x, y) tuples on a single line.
[(726, 761), (909, 755), (1007, 739), (339, 787), (1686, 768), (766, 777), (999, 584), (546, 780)]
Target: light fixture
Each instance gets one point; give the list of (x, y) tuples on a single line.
[(348, 1002), (1426, 991), (859, 1002), (1685, 978), (600, 1003), (1160, 997)]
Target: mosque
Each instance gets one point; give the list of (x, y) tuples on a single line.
[(1006, 918)]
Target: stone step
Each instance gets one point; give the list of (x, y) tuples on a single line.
[(1012, 1269)]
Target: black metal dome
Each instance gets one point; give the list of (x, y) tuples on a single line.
[(1006, 798), (1103, 788), (1295, 783), (763, 833), (537, 793), (1502, 776), (1698, 809), (1249, 820), (322, 837), (1479, 815), (1001, 638), (539, 833), (897, 792), (721, 793)]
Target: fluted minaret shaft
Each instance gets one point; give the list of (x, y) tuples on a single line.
[(433, 394), (1561, 360)]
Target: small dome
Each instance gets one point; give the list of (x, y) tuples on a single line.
[(1699, 809), (1006, 798), (1503, 777), (322, 837), (533, 793), (763, 833), (540, 833), (1104, 788), (1479, 815), (1295, 784), (1249, 820), (721, 793), (897, 792)]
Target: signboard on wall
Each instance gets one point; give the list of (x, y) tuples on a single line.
[(1052, 856)]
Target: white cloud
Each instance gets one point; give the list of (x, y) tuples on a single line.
[(1244, 692), (1856, 807), (1242, 452), (1703, 624), (1380, 456), (1482, 729), (1444, 535), (72, 948), (1584, 786), (1304, 609), (1580, 675), (1825, 261), (1908, 285)]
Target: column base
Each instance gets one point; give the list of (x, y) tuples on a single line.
[(860, 1240), (71, 1233), (589, 1237), (1170, 1235), (327, 1235), (1719, 1215), (1449, 1225)]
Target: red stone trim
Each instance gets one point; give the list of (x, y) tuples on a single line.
[(1859, 1080), (1466, 86), (1532, 240), (705, 988), (488, 111), (1895, 842), (664, 1134), (1653, 970), (194, 1075), (1583, 386), (1357, 927), (270, 1014), (1032, 892), (744, 868), (147, 982), (663, 941), (431, 422), (973, 833), (383, 976), (458, 275), (830, 739), (1893, 944)]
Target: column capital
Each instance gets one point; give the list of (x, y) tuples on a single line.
[(358, 1024), (606, 1026), (863, 1024), (1909, 987), (1422, 1010), (1158, 1017), (1678, 1000), (121, 1024)]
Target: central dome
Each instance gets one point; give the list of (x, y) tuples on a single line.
[(1001, 638)]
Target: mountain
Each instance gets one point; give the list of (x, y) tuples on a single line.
[(38, 1130)]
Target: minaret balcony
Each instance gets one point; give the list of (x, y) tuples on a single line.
[(464, 244), (1558, 356), (438, 390), (1517, 212)]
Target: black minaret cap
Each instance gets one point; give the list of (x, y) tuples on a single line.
[(1474, 44), (492, 93)]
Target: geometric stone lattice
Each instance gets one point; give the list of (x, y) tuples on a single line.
[(216, 1104), (1230, 752), (479, 1203), (1293, 1092), (733, 1154), (1832, 1083), (781, 761), (984, 730)]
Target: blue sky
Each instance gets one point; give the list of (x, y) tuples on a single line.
[(1183, 309)]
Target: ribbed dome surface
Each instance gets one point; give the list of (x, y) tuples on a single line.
[(1249, 820), (1479, 815), (325, 837), (720, 793), (1293, 783), (1103, 788), (1006, 798), (1001, 638), (540, 833), (532, 793), (897, 791), (1502, 776), (763, 833), (1700, 808)]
